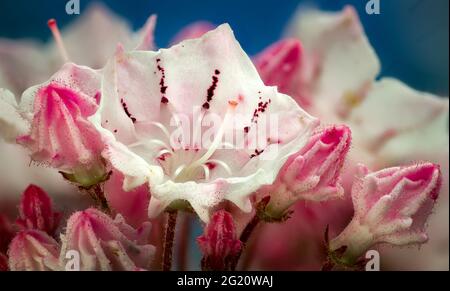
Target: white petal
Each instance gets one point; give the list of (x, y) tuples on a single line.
[(336, 43), (11, 123)]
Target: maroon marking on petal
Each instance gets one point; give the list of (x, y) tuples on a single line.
[(162, 82), (205, 105), (262, 107), (125, 108), (246, 129), (211, 89), (257, 153)]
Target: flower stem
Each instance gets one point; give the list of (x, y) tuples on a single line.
[(183, 241), (97, 194), (168, 240)]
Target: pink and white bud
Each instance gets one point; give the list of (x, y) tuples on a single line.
[(33, 250), (391, 206), (279, 65), (219, 243), (36, 211), (105, 244), (311, 174), (60, 134)]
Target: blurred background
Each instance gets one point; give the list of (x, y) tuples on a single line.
[(411, 37)]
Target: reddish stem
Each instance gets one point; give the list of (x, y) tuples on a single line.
[(168, 240), (183, 241)]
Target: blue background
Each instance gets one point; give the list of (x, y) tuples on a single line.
[(410, 36)]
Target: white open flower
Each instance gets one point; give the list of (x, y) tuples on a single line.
[(146, 96)]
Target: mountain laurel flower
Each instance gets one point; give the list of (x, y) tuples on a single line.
[(310, 174), (36, 211), (33, 250), (391, 206), (151, 99), (105, 244), (219, 243), (60, 134)]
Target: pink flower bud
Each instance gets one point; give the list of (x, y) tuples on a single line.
[(279, 65), (311, 174), (36, 211), (391, 206), (60, 133), (105, 244), (33, 250), (6, 233), (219, 243)]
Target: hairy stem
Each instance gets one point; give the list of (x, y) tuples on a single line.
[(168, 240)]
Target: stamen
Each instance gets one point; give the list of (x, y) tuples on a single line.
[(221, 163), (178, 171), (206, 170), (149, 142), (162, 127), (163, 152), (58, 39), (217, 140)]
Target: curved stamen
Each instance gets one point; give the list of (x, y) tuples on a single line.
[(206, 170), (217, 140), (221, 163), (162, 127), (149, 142), (163, 152), (178, 171)]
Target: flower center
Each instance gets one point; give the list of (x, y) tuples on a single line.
[(189, 163)]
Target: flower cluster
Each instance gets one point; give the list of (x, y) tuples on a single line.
[(202, 128)]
